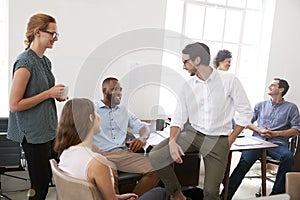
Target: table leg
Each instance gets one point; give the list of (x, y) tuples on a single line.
[(263, 170), (226, 177)]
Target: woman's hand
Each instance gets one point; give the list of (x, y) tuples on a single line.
[(127, 196), (56, 91), (61, 99)]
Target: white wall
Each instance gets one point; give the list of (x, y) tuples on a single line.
[(89, 27), (115, 29), (285, 47)]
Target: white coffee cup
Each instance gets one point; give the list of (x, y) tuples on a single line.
[(64, 95)]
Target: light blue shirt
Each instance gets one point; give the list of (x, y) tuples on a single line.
[(114, 125), (280, 116)]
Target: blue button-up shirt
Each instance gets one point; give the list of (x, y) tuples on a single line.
[(114, 125), (280, 116)]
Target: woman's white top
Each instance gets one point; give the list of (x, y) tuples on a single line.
[(75, 161)]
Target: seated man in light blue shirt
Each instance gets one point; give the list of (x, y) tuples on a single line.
[(115, 120), (277, 121)]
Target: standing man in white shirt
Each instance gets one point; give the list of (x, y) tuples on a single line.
[(209, 100)]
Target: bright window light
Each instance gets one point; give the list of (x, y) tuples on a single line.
[(243, 27)]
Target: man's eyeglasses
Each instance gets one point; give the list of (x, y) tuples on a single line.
[(54, 34), (185, 61)]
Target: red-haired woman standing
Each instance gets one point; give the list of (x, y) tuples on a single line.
[(33, 115)]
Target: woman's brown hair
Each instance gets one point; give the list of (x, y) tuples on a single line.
[(74, 124), (37, 21)]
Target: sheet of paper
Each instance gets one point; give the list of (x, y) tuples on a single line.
[(246, 141), (156, 137)]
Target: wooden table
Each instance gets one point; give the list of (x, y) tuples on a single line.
[(256, 144)]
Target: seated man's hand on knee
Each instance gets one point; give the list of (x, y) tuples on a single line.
[(135, 145)]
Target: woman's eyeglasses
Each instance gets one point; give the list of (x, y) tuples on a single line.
[(54, 34)]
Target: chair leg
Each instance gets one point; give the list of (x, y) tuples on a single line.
[(1, 194), (17, 177), (258, 194), (4, 196)]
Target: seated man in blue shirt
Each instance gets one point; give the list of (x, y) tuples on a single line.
[(116, 119), (277, 120)]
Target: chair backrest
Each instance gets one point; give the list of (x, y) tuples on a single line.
[(296, 151), (69, 188), (293, 143), (191, 163), (10, 151), (292, 185), (3, 124)]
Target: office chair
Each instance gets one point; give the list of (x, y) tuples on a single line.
[(293, 145), (11, 156), (70, 188), (191, 164), (127, 181)]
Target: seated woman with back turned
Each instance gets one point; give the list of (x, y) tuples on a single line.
[(78, 123)]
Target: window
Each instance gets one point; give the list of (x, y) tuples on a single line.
[(242, 26), (4, 58)]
